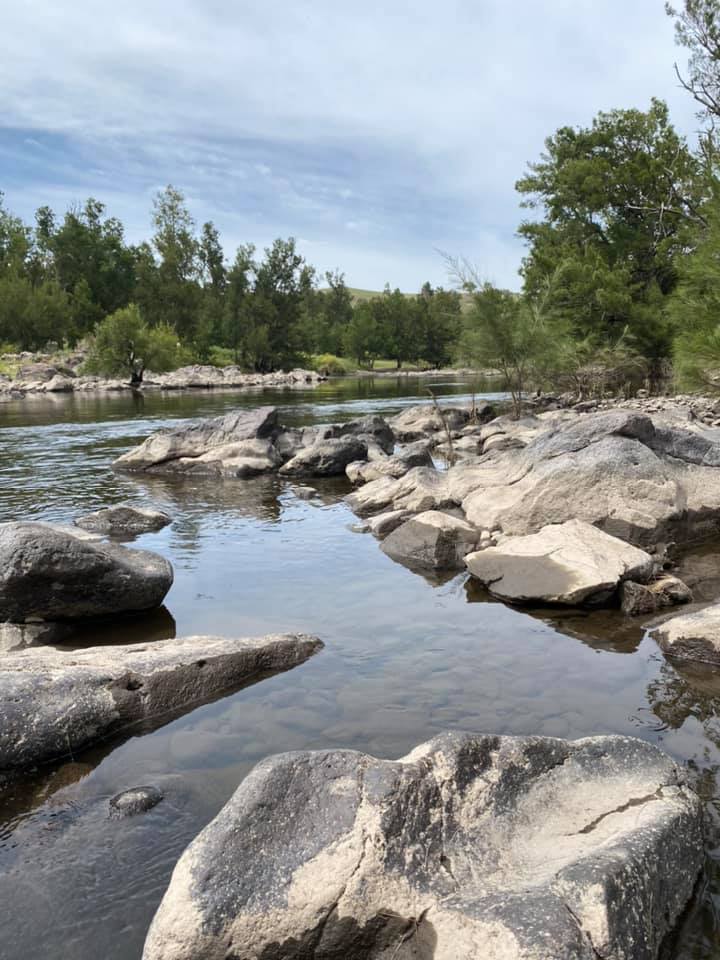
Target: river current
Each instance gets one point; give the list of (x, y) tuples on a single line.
[(406, 657)]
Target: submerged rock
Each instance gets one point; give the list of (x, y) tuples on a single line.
[(432, 539), (123, 519), (47, 573), (133, 801), (569, 563), (57, 702), (470, 847), (692, 636)]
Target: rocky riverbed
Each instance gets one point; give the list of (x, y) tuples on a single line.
[(405, 841)]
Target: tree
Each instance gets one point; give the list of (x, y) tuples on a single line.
[(620, 201), (439, 323), (177, 295), (507, 332), (362, 337), (238, 288), (697, 28), (124, 345)]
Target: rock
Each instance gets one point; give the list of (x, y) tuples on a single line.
[(569, 563), (432, 539), (424, 421), (49, 574), (17, 636), (384, 523), (501, 441), (304, 493), (161, 451), (422, 488), (414, 455), (55, 702), (326, 457), (638, 599), (614, 469), (124, 519), (133, 801), (692, 636), (371, 426), (469, 848)]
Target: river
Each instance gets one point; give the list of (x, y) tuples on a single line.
[(406, 657)]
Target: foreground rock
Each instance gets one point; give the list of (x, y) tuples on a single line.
[(470, 847), (692, 636), (124, 519), (569, 563), (432, 540), (58, 702), (47, 573), (326, 457)]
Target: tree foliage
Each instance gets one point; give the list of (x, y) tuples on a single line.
[(125, 346)]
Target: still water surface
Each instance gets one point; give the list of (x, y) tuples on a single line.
[(405, 658)]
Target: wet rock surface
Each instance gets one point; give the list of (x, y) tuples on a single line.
[(48, 573), (124, 519), (134, 801), (471, 846), (55, 702)]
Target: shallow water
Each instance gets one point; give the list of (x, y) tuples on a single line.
[(405, 658)]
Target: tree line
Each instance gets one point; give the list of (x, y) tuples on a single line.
[(175, 298), (620, 279)]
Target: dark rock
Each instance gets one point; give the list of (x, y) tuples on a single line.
[(692, 636), (470, 848), (638, 599), (133, 801), (49, 574), (371, 426)]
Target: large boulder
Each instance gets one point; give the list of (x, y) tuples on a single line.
[(433, 539), (612, 469), (568, 563), (421, 488), (56, 702), (426, 420), (692, 636), (47, 573), (326, 457), (125, 519), (161, 451), (470, 847)]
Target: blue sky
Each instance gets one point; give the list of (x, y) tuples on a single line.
[(375, 133)]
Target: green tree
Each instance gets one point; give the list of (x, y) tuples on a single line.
[(510, 333), (697, 28), (125, 346), (620, 200), (238, 289), (177, 294), (362, 337), (438, 322)]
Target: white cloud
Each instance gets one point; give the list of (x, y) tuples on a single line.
[(410, 118)]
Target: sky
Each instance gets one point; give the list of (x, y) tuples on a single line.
[(376, 133)]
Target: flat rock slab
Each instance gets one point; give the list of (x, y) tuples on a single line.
[(692, 636), (470, 848), (432, 539), (124, 519), (569, 563), (57, 702), (49, 573)]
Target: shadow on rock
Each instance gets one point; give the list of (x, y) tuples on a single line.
[(157, 625)]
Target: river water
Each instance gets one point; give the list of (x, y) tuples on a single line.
[(406, 657)]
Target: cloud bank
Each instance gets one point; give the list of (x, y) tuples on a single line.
[(376, 134)]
